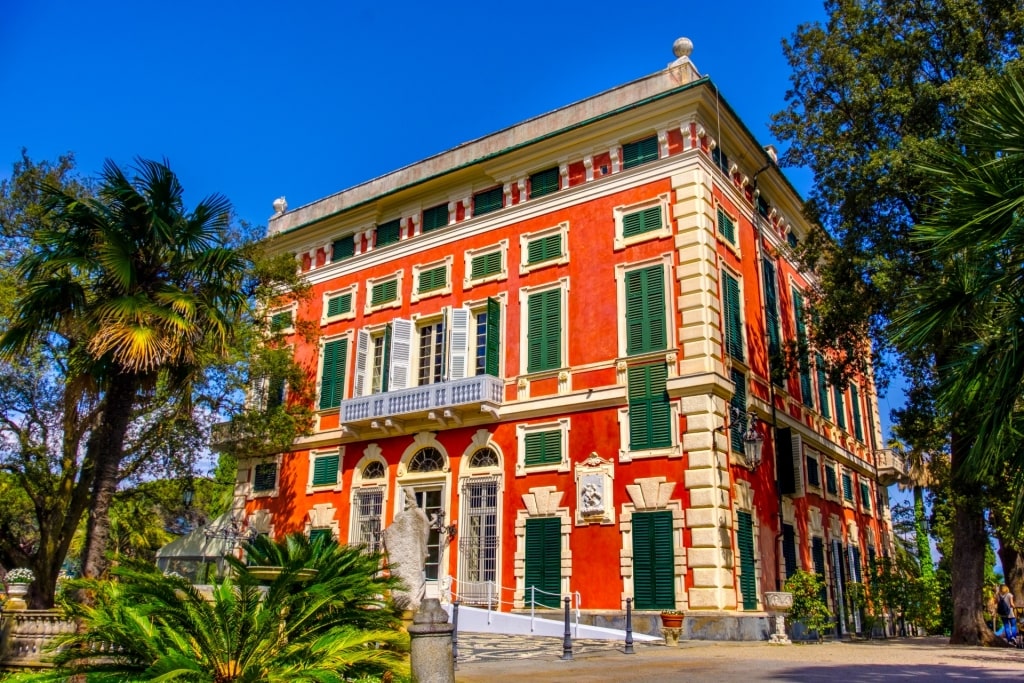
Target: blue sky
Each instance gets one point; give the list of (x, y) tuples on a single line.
[(256, 100)]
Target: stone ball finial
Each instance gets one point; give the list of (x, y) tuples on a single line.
[(280, 205), (682, 48)]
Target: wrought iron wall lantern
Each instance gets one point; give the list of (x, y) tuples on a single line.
[(447, 531), (753, 440)]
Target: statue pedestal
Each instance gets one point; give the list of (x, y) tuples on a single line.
[(16, 593), (778, 605), (430, 648)]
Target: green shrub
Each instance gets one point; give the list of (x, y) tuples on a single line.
[(808, 607)]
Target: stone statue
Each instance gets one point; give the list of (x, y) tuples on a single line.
[(406, 543)]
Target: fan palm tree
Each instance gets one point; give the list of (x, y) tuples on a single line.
[(141, 290), (147, 626), (977, 233)]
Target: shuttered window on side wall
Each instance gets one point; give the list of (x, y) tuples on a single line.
[(733, 315), (542, 448), (389, 233), (332, 377), (646, 329), (543, 561), (544, 182), (485, 265), (639, 152), (337, 305), (325, 470), (639, 222), (650, 413), (264, 477), (653, 560), (745, 543)]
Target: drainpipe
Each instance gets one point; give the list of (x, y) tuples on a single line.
[(768, 364)]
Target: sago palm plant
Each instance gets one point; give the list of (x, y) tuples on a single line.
[(150, 627)]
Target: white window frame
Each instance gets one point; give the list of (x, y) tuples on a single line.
[(292, 308), (352, 289), (349, 363), (852, 504), (813, 454), (673, 451), (619, 212), (446, 262), (866, 481), (372, 282), (250, 493), (475, 307), (418, 322), (470, 254), (313, 455), (525, 239), (838, 496), (524, 298), (665, 261), (372, 453), (563, 425)]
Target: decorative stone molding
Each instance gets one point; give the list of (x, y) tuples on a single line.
[(648, 495), (651, 493), (542, 501), (261, 521), (594, 503), (322, 516), (814, 525)]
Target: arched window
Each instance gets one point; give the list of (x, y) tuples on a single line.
[(485, 457), (373, 470), (427, 460)]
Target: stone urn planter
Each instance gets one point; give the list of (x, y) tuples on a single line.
[(778, 604), (16, 593)]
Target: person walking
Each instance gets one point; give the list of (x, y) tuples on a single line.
[(1008, 613)]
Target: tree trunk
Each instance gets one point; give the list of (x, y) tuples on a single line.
[(924, 548), (968, 562), (106, 448), (1013, 568)]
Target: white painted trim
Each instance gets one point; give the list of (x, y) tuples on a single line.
[(313, 455), (619, 212), (562, 229), (352, 289), (373, 282), (562, 425), (446, 262), (470, 254)]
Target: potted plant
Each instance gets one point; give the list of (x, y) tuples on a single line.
[(18, 582), (809, 607), (671, 618)]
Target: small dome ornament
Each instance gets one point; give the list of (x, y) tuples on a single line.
[(682, 48), (280, 206)]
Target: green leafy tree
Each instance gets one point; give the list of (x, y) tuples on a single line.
[(808, 606), (163, 628), (875, 89)]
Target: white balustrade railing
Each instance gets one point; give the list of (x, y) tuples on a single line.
[(459, 392), (29, 634)]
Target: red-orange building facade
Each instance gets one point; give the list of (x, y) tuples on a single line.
[(539, 333)]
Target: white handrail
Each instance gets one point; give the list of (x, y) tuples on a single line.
[(494, 600)]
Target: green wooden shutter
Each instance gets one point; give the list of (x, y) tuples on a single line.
[(492, 357), (650, 415), (813, 476), (831, 486), (484, 265), (804, 359), (436, 217), (488, 201), (858, 427), (645, 310), (823, 405), (847, 486), (389, 233), (818, 557), (771, 305), (384, 292), (275, 391), (343, 248), (865, 496), (325, 470), (320, 535), (280, 321), (639, 152), (542, 448), (737, 428), (733, 316), (337, 305), (653, 560), (544, 331), (857, 565), (745, 544), (726, 228), (544, 182), (332, 379), (544, 249), (789, 549), (265, 477), (840, 407), (385, 371), (544, 560), (639, 222), (435, 278)]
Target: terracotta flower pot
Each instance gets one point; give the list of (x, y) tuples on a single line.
[(671, 620)]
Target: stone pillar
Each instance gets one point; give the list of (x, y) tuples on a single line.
[(703, 384), (430, 653)]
